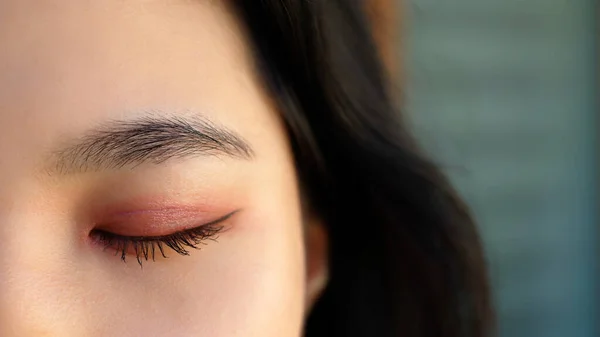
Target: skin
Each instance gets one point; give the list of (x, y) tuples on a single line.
[(68, 67)]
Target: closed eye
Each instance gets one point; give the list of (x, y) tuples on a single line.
[(145, 248)]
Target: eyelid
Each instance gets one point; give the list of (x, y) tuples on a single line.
[(157, 237), (157, 222)]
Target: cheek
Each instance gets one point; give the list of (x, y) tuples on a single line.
[(250, 283)]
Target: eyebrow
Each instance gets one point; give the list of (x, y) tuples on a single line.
[(119, 144)]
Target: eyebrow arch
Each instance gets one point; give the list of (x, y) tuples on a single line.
[(119, 144)]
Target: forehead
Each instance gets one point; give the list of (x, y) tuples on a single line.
[(67, 65), (123, 48)]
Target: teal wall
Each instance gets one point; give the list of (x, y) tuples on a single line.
[(501, 93)]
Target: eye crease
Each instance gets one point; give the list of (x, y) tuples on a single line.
[(145, 248)]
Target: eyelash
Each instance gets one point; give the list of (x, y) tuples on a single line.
[(147, 247)]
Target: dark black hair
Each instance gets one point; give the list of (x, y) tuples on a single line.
[(405, 256)]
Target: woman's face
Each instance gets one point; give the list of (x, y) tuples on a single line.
[(124, 120)]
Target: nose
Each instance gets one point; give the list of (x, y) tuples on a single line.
[(40, 285)]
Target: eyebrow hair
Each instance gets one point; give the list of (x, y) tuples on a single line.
[(119, 144)]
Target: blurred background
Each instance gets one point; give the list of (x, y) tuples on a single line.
[(503, 94)]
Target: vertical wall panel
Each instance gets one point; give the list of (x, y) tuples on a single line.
[(501, 93)]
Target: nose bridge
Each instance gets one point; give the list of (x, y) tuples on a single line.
[(39, 294)]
